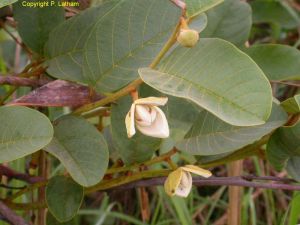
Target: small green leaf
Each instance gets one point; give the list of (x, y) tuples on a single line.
[(81, 148), (63, 197), (35, 23), (231, 21), (279, 62), (196, 7), (139, 148), (104, 46), (265, 11), (218, 77), (211, 136), (284, 145), (23, 132), (292, 105), (6, 2)]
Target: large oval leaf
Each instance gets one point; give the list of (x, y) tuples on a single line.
[(196, 7), (81, 148), (265, 11), (230, 20), (218, 77), (139, 148), (35, 23), (279, 62), (23, 131), (63, 197), (211, 136), (105, 45)]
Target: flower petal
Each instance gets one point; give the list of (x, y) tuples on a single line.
[(143, 115), (173, 181), (185, 185), (129, 121), (159, 128), (153, 101), (197, 170)]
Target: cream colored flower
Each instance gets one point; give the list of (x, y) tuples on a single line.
[(147, 118), (179, 182)]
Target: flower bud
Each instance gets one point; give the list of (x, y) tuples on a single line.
[(188, 37), (147, 118), (179, 182)]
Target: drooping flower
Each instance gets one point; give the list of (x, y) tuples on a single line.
[(147, 117), (180, 181)]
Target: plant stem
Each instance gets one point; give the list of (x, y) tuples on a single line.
[(126, 179), (150, 162)]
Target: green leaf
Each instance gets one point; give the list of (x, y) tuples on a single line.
[(265, 11), (139, 148), (212, 136), (283, 145), (81, 148), (35, 23), (6, 2), (23, 132), (199, 23), (218, 77), (293, 167), (63, 197), (104, 46), (279, 62), (196, 7), (51, 220), (292, 105), (230, 20)]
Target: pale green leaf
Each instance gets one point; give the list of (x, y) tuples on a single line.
[(139, 148), (63, 197), (104, 46), (211, 136), (199, 22), (265, 11), (35, 23), (6, 2), (23, 131), (218, 77), (196, 7), (81, 148), (231, 21), (292, 105), (279, 62)]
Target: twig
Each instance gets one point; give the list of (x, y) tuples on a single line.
[(10, 173), (21, 81), (286, 83), (11, 216), (217, 181)]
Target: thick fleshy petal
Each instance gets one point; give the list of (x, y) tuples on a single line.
[(159, 128), (129, 121), (172, 182), (153, 101), (185, 185), (197, 170)]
